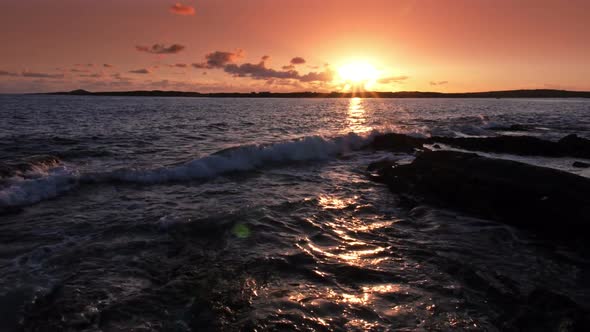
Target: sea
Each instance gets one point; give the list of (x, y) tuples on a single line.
[(259, 214)]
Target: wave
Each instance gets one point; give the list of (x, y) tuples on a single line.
[(49, 183), (39, 184)]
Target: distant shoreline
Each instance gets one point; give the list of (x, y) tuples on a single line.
[(537, 93)]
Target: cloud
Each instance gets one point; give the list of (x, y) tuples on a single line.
[(178, 65), (107, 65), (6, 73), (118, 77), (392, 79), (161, 49), (140, 71), (297, 60), (439, 82), (258, 71), (219, 59), (74, 70), (181, 9), (41, 75), (97, 75), (323, 76)]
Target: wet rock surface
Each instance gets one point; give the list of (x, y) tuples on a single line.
[(571, 145), (580, 164), (523, 195)]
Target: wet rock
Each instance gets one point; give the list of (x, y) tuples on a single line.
[(397, 143), (520, 145), (523, 195), (570, 145), (580, 164), (548, 311), (575, 146)]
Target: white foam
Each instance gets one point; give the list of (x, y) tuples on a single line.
[(35, 186), (246, 158), (45, 183)]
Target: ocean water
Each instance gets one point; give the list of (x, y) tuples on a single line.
[(183, 214)]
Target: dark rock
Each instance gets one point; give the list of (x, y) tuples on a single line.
[(571, 145), (580, 164), (397, 142), (548, 311), (575, 146), (516, 193), (520, 145)]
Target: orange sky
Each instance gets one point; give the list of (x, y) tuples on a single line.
[(427, 45)]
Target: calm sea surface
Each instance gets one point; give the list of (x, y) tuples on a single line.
[(187, 214)]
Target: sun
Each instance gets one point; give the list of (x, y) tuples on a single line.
[(358, 72)]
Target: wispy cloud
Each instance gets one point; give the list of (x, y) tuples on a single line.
[(7, 73), (181, 9), (161, 49), (41, 75), (439, 82), (119, 77), (107, 65), (392, 79), (140, 71), (96, 75)]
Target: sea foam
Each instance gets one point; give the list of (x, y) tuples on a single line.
[(38, 185), (25, 191)]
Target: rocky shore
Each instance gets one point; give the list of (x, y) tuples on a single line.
[(523, 195)]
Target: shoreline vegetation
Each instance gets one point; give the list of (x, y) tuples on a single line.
[(537, 93)]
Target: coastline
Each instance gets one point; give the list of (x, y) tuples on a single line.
[(536, 93)]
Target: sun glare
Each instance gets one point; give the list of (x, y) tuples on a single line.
[(358, 72)]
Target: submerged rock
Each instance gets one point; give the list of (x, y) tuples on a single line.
[(514, 127), (513, 192)]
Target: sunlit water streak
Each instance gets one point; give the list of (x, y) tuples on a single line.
[(308, 243)]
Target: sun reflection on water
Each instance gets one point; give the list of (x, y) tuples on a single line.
[(356, 119)]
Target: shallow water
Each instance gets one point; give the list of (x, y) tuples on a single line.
[(257, 214)]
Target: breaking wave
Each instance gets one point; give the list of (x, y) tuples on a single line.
[(51, 182), (40, 183)]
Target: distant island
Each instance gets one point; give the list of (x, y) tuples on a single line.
[(537, 93)]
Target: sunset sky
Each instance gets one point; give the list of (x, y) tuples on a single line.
[(293, 45)]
